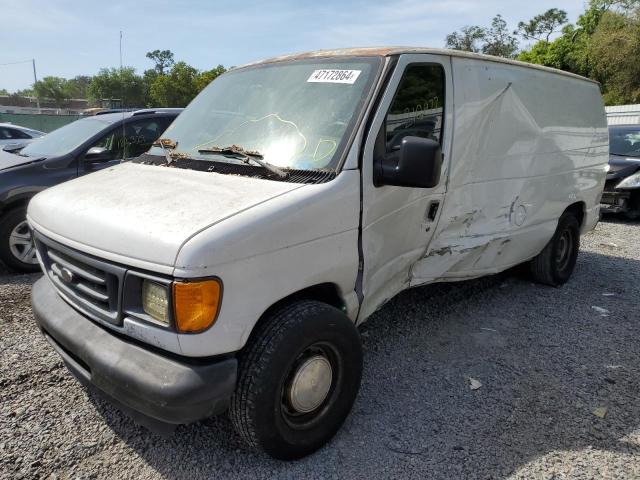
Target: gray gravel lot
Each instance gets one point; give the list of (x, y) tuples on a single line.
[(545, 358)]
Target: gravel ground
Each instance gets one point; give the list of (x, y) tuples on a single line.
[(545, 358)]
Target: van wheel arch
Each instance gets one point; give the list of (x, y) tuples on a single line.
[(328, 293), (578, 210)]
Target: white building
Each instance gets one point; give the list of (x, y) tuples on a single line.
[(623, 114)]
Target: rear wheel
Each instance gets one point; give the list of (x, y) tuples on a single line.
[(16, 243), (555, 264), (298, 378)]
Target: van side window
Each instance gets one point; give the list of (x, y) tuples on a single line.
[(418, 107)]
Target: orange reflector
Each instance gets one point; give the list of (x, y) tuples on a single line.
[(196, 304)]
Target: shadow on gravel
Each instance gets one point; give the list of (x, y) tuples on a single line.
[(546, 360)]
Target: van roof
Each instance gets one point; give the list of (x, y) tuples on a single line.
[(389, 51)]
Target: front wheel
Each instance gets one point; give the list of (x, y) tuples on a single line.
[(298, 378), (16, 244), (555, 264)]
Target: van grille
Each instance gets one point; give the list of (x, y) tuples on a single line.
[(91, 285)]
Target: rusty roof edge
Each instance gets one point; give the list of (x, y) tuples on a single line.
[(388, 51)]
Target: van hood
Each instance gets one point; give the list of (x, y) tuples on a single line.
[(143, 214)]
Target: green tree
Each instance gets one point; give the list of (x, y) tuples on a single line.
[(499, 41), (52, 88), (614, 46), (542, 26), (205, 78), (4, 92), (177, 88), (25, 92), (78, 85), (148, 77), (602, 45), (114, 83), (468, 39), (163, 60)]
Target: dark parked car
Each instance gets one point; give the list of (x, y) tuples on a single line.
[(622, 189), (15, 137), (81, 147)]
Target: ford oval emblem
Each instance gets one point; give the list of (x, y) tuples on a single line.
[(66, 275)]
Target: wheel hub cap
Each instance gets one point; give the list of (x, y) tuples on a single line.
[(310, 384), (564, 250), (21, 244)]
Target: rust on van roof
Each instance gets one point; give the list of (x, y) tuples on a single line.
[(390, 51)]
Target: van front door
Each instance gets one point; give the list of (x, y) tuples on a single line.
[(398, 222)]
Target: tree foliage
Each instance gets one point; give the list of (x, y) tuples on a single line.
[(208, 76), (496, 40), (167, 84), (542, 26), (78, 85), (603, 45), (163, 60), (52, 88), (177, 88), (468, 39), (499, 41), (115, 83), (615, 44)]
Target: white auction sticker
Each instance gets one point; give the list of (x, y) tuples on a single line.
[(334, 76)]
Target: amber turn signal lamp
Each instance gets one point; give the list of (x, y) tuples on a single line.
[(196, 304)]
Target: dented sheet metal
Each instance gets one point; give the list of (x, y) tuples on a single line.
[(517, 161)]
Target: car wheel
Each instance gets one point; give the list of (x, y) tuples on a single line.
[(298, 378), (555, 264), (17, 250), (634, 207)]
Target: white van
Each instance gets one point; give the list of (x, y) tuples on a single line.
[(229, 266)]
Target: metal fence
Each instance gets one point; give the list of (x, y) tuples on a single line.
[(44, 123)]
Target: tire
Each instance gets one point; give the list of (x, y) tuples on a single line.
[(16, 247), (555, 264), (634, 207), (269, 409)]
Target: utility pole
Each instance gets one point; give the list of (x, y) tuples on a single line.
[(35, 79)]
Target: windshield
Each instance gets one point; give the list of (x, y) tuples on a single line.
[(295, 114), (624, 141), (64, 139)]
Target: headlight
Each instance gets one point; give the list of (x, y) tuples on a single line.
[(632, 181), (196, 304), (155, 301)]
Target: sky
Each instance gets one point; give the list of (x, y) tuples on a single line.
[(73, 37)]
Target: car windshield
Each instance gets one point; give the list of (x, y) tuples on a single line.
[(296, 114), (64, 139), (625, 141)]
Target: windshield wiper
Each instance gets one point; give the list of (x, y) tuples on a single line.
[(237, 152)]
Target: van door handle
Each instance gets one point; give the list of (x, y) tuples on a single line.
[(432, 210)]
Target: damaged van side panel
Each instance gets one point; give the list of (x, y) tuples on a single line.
[(527, 144)]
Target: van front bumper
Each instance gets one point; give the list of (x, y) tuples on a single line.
[(155, 389)]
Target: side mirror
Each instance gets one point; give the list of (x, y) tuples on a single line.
[(98, 154), (417, 164)]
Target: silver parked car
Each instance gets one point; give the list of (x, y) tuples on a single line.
[(15, 136)]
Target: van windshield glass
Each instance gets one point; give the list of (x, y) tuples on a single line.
[(296, 114), (64, 139)]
